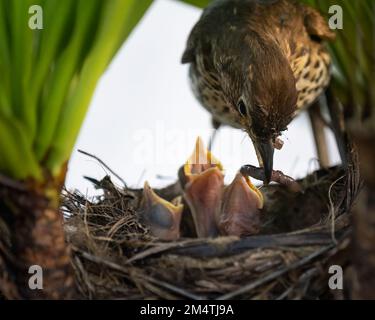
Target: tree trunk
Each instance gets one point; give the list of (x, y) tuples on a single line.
[(364, 246), (364, 221), (34, 235)]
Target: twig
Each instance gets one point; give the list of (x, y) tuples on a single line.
[(158, 249), (105, 166), (174, 289), (332, 209), (338, 125), (220, 248), (274, 275), (213, 249), (121, 269), (286, 293), (85, 277)]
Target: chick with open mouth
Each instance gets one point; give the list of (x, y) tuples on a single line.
[(202, 180), (161, 216), (216, 209), (240, 210)]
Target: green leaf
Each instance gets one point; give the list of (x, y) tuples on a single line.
[(66, 66), (138, 9), (197, 3), (52, 37), (117, 17), (353, 53), (48, 76), (21, 62), (17, 159), (5, 103)]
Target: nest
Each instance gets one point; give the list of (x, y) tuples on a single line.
[(302, 234)]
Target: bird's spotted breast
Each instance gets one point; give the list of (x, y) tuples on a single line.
[(207, 90), (312, 72)]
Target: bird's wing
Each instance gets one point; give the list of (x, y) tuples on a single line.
[(316, 25)]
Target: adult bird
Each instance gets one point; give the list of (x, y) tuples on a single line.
[(255, 64)]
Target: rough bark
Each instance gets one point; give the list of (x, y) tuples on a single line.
[(364, 246), (33, 235), (364, 221)]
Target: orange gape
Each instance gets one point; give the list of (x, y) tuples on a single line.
[(203, 181), (216, 210), (161, 216), (240, 209), (232, 210)]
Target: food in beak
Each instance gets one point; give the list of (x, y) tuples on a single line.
[(278, 144), (241, 208), (276, 176), (161, 216), (202, 180)]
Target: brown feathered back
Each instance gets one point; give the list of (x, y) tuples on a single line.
[(268, 54)]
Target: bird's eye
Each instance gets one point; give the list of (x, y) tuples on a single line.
[(242, 108)]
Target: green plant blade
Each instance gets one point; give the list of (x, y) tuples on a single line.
[(197, 3), (17, 158), (117, 14), (66, 66), (49, 75)]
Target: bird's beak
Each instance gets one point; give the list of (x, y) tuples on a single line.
[(202, 180), (161, 216), (265, 150), (200, 160), (240, 210)]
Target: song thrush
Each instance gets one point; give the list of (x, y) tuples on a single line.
[(254, 64)]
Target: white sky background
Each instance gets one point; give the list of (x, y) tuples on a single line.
[(144, 119)]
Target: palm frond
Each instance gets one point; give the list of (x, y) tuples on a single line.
[(49, 75), (353, 54), (197, 3)]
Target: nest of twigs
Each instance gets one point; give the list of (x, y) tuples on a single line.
[(116, 257)]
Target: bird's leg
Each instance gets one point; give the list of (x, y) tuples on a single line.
[(318, 127), (216, 125), (338, 125)]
